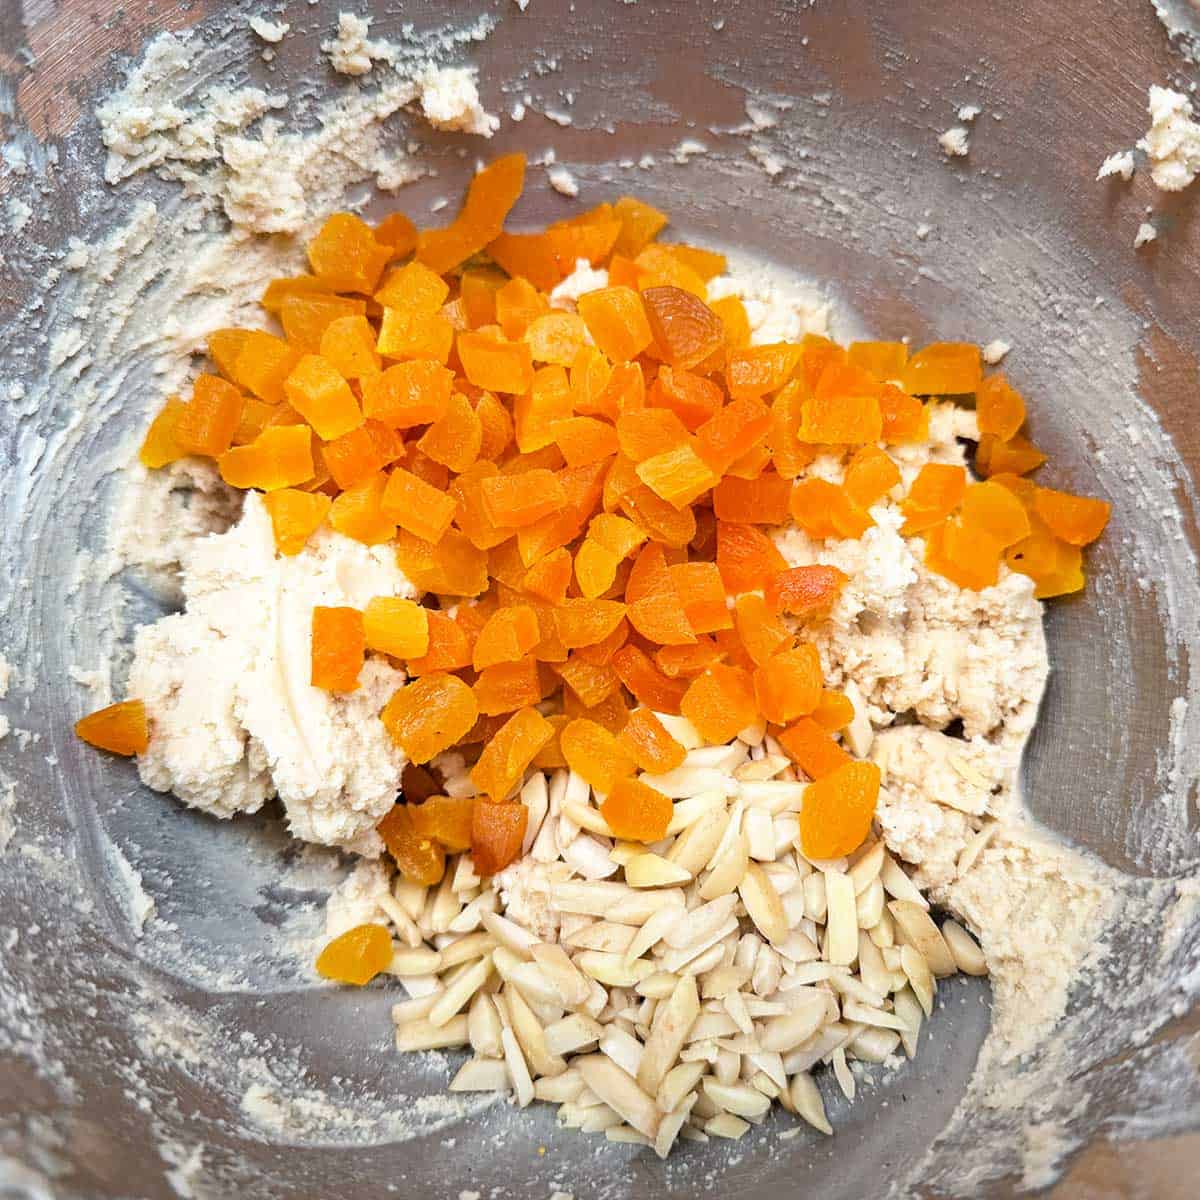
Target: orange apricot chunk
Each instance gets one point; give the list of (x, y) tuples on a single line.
[(684, 328), (640, 224), (120, 728), (645, 432), (538, 411), (405, 335), (413, 290), (691, 397), (295, 517), (532, 257), (456, 437), (935, 493), (708, 264), (349, 344), (445, 819), (838, 810), (396, 626), (497, 426), (884, 360), (811, 748), (317, 391), (592, 753), (817, 355), (999, 408), (338, 648), (280, 457), (755, 371), (160, 446), (747, 559), (595, 568), (278, 290), (453, 567), (760, 630), (732, 432), (407, 394), (870, 475), (649, 575), (677, 476), (1017, 456), (207, 422), (647, 683), (477, 291), (636, 812), (497, 834), (1078, 520), (518, 305), (508, 636), (358, 512), (449, 648), (658, 267), (416, 506), (733, 316), (511, 750), (610, 714), (761, 501), (591, 682), (507, 686), (505, 367), (804, 591), (305, 318), (419, 858), (354, 456), (514, 501), (661, 618), (356, 956), (843, 409), (556, 337), (965, 555), (1063, 575), (346, 255), (398, 232), (584, 440), (720, 703), (549, 576), (263, 363), (788, 454), (429, 715), (616, 319), (904, 417), (645, 739), (788, 685), (834, 711), (549, 757), (824, 510), (585, 622), (996, 511), (225, 345), (582, 487), (943, 369), (700, 590)]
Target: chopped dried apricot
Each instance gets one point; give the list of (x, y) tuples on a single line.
[(449, 647), (419, 858), (358, 512), (207, 422), (870, 475), (356, 956), (361, 452), (616, 319), (643, 433), (456, 437), (755, 371), (720, 703), (398, 232), (1078, 520), (640, 224), (317, 391), (811, 748), (591, 682), (904, 417), (761, 501), (684, 328), (760, 630), (477, 291), (280, 457), (445, 819), (747, 559), (338, 648), (1017, 456), (306, 318), (838, 809), (999, 408), (497, 834), (732, 432), (496, 366), (592, 753), (295, 517), (556, 337), (453, 567), (677, 476), (661, 618), (514, 501), (346, 255), (647, 683), (645, 739), (804, 591), (429, 715), (508, 686), (700, 590), (636, 812), (691, 397), (788, 685), (584, 440), (349, 344), (824, 510), (549, 576), (409, 393), (935, 493), (490, 195), (995, 511), (160, 446), (843, 409), (120, 728), (396, 626), (417, 507), (509, 635), (965, 555), (585, 622), (834, 711), (536, 414), (788, 454), (507, 756), (884, 360), (943, 369), (413, 290)]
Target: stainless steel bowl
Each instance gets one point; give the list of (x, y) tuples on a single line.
[(125, 1060)]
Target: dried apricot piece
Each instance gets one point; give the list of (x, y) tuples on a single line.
[(595, 568), (346, 255), (396, 626), (338, 648), (160, 446), (505, 758), (999, 408), (616, 319), (225, 345), (582, 487), (943, 369), (358, 512), (417, 507), (497, 834), (477, 291), (804, 591), (838, 809), (398, 232), (497, 426), (746, 558), (549, 576), (549, 757), (584, 440), (456, 437), (419, 858), (884, 360), (263, 362), (361, 452), (636, 812), (409, 393), (496, 366), (208, 420), (645, 739), (449, 647), (817, 355), (732, 432), (305, 318), (760, 630), (281, 456), (788, 454), (720, 703), (317, 391), (429, 715), (834, 711), (788, 685), (755, 371), (585, 622), (691, 397), (278, 290), (349, 344), (904, 417), (935, 493), (591, 682), (657, 267), (811, 748), (454, 567), (708, 264), (556, 337), (824, 510), (120, 728), (592, 753), (843, 409), (508, 686), (643, 433), (702, 594), (445, 819), (761, 501), (647, 683), (509, 635), (996, 512), (677, 476), (684, 328), (537, 413), (356, 956), (870, 475), (661, 618), (413, 290), (1017, 456), (965, 555), (1078, 520), (640, 224), (514, 501), (518, 305), (295, 517)]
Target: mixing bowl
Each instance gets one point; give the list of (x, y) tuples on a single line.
[(186, 1049)]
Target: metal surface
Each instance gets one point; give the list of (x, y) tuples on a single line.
[(1024, 241)]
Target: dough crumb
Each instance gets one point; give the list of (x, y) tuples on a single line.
[(995, 351), (955, 142), (1172, 143), (923, 231), (563, 182), (352, 52), (1145, 233), (969, 112), (1120, 163), (450, 101), (269, 31)]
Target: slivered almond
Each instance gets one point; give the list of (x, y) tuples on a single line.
[(841, 919), (620, 1092), (915, 927), (421, 1035), (654, 871), (672, 1024), (481, 1075), (762, 903)]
